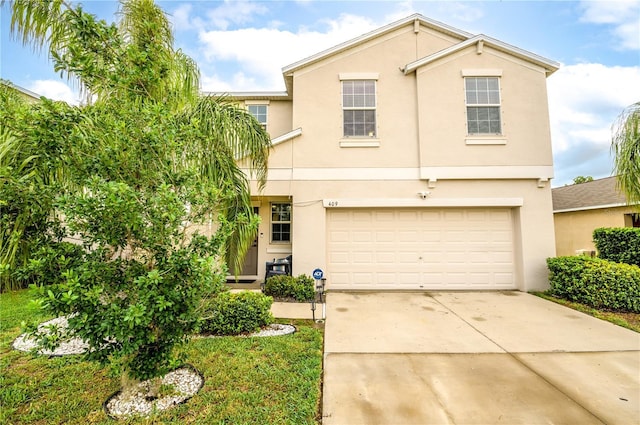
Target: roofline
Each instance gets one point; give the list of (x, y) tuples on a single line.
[(246, 95), (549, 65), (593, 207), (21, 89), (286, 136), (375, 33)]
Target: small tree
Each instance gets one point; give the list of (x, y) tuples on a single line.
[(625, 145), (153, 160), (582, 179)]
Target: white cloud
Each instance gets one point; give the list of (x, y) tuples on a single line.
[(262, 52), (584, 101), (234, 12), (622, 15), (55, 90), (181, 18)]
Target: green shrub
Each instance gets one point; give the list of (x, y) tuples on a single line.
[(596, 282), (301, 288), (47, 265), (621, 245), (235, 313)]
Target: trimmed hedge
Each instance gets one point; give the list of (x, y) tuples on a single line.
[(301, 288), (596, 282), (621, 244), (236, 313)]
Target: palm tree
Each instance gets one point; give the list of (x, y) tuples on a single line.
[(625, 144), (135, 62)]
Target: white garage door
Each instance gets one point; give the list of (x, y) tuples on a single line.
[(420, 248)]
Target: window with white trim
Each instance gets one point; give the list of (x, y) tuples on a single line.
[(359, 108), (260, 113), (281, 222), (483, 105)]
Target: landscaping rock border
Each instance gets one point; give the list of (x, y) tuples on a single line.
[(71, 346), (186, 380), (75, 346)]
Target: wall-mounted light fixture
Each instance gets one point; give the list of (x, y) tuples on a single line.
[(424, 194)]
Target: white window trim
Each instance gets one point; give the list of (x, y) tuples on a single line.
[(343, 76), (478, 140), (479, 137), (352, 139), (272, 222), (266, 112)]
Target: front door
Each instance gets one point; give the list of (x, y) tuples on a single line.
[(250, 266)]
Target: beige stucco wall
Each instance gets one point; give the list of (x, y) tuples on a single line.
[(525, 116), (574, 230), (421, 123), (533, 226)]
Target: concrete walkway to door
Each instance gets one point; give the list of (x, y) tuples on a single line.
[(474, 358)]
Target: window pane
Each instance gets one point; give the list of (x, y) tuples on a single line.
[(359, 102), (370, 87), (347, 101), (470, 84), (482, 91), (259, 112), (370, 101), (472, 97), (483, 120)]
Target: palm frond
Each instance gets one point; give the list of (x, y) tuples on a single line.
[(625, 145)]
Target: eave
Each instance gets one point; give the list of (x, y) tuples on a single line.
[(251, 95), (482, 41)]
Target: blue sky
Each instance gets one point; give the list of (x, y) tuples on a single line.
[(242, 45)]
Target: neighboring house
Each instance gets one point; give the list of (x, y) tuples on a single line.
[(579, 209), (27, 95), (417, 156)]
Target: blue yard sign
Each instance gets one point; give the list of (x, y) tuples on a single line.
[(317, 274)]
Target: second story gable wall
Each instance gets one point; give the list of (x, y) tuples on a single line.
[(524, 139), (318, 109)]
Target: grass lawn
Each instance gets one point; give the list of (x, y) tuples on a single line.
[(626, 320), (273, 380)]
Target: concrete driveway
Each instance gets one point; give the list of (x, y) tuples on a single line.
[(474, 358)]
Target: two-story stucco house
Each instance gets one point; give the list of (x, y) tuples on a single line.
[(417, 156)]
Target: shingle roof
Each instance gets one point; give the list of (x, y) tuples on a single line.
[(589, 195)]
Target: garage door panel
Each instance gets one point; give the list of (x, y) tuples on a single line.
[(420, 248)]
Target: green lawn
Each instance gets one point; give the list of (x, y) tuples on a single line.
[(274, 380)]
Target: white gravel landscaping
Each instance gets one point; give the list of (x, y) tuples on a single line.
[(68, 346), (73, 345), (185, 381)]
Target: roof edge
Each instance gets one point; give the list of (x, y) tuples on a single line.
[(375, 33), (21, 89), (246, 95), (593, 207), (549, 65)]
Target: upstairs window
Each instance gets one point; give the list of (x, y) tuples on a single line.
[(260, 113), (359, 108), (281, 222), (483, 105)]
